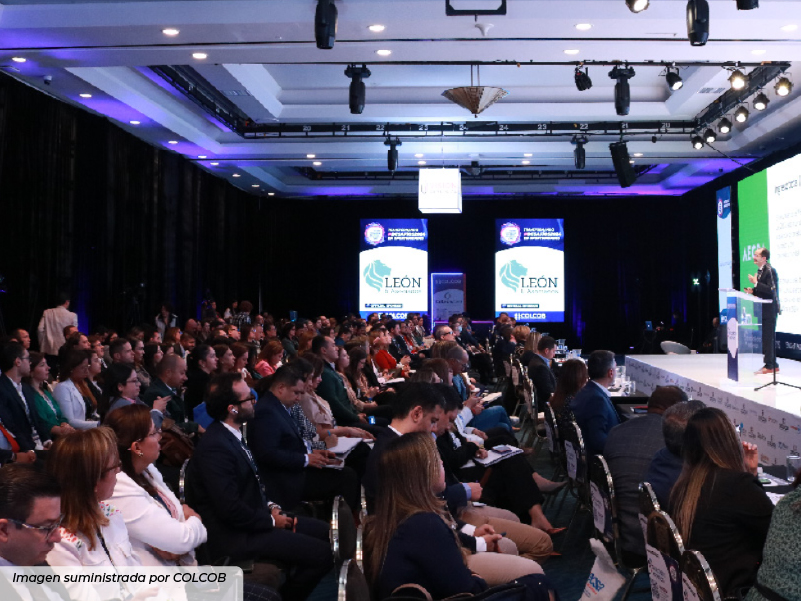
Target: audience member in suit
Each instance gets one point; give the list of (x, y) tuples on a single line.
[(541, 369), (397, 345), (52, 325), (121, 388), (290, 469), (628, 452), (411, 537), (718, 504), (169, 380), (17, 401), (202, 362), (484, 418), (666, 464), (225, 488), (75, 398), (592, 407), (30, 516)]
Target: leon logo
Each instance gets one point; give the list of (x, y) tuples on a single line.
[(510, 233), (374, 234), (511, 274), (374, 274)]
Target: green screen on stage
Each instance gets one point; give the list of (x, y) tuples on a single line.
[(752, 201)]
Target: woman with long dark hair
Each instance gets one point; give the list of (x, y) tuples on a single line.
[(573, 376), (718, 504), (44, 404), (74, 396)]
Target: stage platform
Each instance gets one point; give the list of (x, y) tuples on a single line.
[(771, 417)]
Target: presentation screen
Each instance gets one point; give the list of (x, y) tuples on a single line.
[(769, 205), (530, 269), (393, 267)]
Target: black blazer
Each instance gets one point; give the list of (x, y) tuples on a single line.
[(176, 408), (196, 383), (397, 348), (542, 377), (766, 283), (279, 451), (222, 487), (14, 418)]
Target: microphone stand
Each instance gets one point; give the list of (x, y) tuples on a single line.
[(775, 308)]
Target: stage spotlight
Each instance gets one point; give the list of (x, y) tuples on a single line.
[(579, 154), (622, 162), (724, 125), (637, 6), (357, 93), (698, 22), (747, 4), (583, 81), (709, 136), (697, 142), (474, 169), (783, 87), (622, 90), (392, 153), (738, 79), (761, 101), (325, 24), (673, 79), (741, 115)]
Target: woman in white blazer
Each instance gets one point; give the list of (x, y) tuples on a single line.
[(72, 388), (162, 531), (93, 532)]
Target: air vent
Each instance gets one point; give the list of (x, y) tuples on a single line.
[(712, 90), (236, 92)]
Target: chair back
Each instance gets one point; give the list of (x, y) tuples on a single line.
[(575, 455), (515, 371), (352, 585), (552, 429), (664, 548), (648, 505), (343, 531), (674, 348), (182, 481), (698, 581), (604, 503), (359, 555)]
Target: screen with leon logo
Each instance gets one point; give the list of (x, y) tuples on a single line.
[(393, 267), (530, 269)]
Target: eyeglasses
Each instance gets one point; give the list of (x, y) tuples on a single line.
[(134, 381), (246, 399), (47, 530)]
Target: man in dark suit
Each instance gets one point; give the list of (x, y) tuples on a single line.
[(592, 407), (17, 412), (628, 452), (766, 285), (291, 470), (170, 377), (540, 369), (30, 515), (225, 488), (397, 347)]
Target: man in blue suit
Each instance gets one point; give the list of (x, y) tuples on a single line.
[(291, 470), (592, 406)]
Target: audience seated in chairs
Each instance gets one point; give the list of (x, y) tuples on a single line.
[(592, 406), (530, 347), (121, 351), (45, 406), (289, 468), (224, 486), (23, 429), (572, 378), (161, 530), (138, 348), (121, 388), (628, 452), (541, 369), (72, 393), (411, 540), (168, 384), (365, 398), (666, 464), (202, 362), (718, 504)]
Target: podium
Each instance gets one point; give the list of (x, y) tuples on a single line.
[(744, 334)]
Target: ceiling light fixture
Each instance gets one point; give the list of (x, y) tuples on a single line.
[(316, 163), (583, 81), (236, 175), (172, 142), (697, 142), (19, 59), (738, 79), (85, 95), (697, 22), (200, 56), (311, 156), (254, 185), (325, 24), (376, 28), (572, 51), (527, 154), (213, 164), (419, 155), (170, 31), (477, 98), (637, 6), (758, 51), (525, 162), (783, 86), (383, 52), (626, 175), (761, 101), (747, 4), (710, 137), (724, 126), (134, 122), (673, 79), (583, 26), (421, 162), (202, 156), (392, 153), (789, 27), (270, 193), (622, 89), (741, 115), (357, 91), (579, 153), (637, 154)]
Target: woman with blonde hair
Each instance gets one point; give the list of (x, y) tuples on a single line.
[(718, 504), (521, 333), (529, 347)]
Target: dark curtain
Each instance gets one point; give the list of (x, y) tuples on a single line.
[(120, 225)]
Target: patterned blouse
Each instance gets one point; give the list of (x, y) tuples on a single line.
[(307, 430)]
